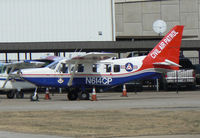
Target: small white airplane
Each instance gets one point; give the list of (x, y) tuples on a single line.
[(103, 71), (11, 84)]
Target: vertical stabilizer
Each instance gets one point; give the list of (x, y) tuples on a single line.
[(167, 51)]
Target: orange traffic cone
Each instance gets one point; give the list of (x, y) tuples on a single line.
[(94, 96), (124, 93), (47, 96)]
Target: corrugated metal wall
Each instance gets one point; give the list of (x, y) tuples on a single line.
[(56, 20)]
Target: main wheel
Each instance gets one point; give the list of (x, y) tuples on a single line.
[(11, 94), (72, 95), (20, 95), (34, 97), (84, 96), (165, 87)]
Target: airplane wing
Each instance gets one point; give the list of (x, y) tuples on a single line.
[(92, 57), (24, 64), (19, 65)]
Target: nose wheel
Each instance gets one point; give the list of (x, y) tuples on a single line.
[(34, 96)]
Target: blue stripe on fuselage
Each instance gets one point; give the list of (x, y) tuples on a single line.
[(95, 81), (12, 79)]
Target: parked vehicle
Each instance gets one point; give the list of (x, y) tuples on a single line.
[(184, 77), (197, 72)]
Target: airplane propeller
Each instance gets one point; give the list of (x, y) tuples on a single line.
[(18, 65), (9, 76)]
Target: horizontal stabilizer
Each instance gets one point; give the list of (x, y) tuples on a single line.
[(167, 63)]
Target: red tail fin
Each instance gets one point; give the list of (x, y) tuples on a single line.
[(167, 51)]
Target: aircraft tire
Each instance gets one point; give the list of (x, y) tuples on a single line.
[(11, 94), (34, 98), (72, 96), (165, 87), (84, 96), (20, 95)]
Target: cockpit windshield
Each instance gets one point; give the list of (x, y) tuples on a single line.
[(2, 69), (53, 65)]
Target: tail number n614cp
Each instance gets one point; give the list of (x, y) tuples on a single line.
[(98, 80)]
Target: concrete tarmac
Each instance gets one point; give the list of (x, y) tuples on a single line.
[(108, 101), (5, 134), (187, 100)]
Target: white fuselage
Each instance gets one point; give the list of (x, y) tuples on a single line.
[(14, 84)]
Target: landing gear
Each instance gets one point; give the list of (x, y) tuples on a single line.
[(34, 96), (20, 95), (78, 94), (11, 94), (84, 96), (72, 95)]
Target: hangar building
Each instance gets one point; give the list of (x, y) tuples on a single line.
[(135, 18), (92, 25), (36, 21)]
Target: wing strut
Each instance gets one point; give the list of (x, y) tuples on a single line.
[(73, 73)]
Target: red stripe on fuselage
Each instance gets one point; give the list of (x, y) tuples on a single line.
[(110, 74)]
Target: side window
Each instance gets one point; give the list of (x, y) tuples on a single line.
[(94, 67), (2, 69), (116, 68), (80, 68), (108, 68), (8, 70), (64, 68), (53, 65)]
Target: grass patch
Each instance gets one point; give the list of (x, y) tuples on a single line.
[(115, 123)]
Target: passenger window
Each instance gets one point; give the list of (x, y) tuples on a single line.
[(108, 68), (72, 68), (2, 69), (80, 68), (8, 70), (64, 68), (116, 68), (94, 67)]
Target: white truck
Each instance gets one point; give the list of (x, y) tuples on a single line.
[(184, 77)]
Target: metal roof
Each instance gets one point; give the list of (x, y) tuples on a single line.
[(109, 46)]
